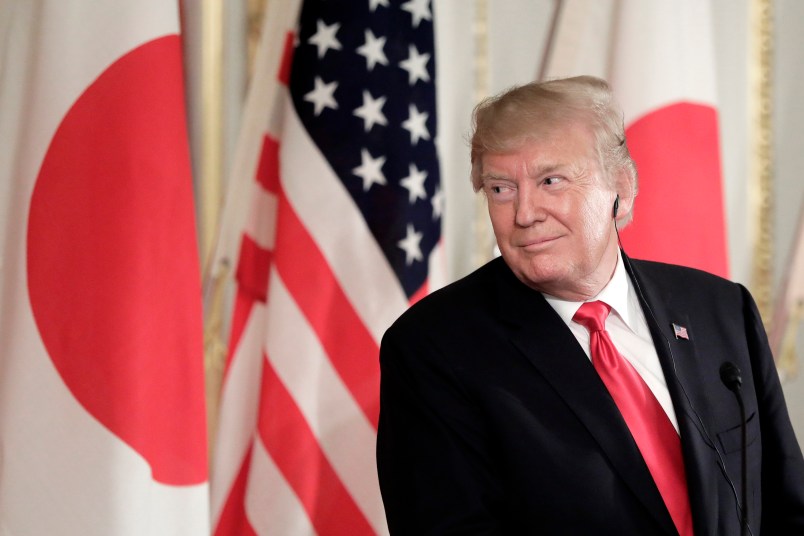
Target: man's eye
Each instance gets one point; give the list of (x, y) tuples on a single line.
[(497, 188), (552, 180), (499, 192)]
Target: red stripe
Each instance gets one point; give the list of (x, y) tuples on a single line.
[(268, 167), (287, 59), (346, 340), (423, 291), (233, 520), (252, 269), (293, 446)]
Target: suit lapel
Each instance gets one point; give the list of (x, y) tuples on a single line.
[(679, 364), (543, 338)]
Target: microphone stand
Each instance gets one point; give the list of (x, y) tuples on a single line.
[(744, 464), (730, 375)]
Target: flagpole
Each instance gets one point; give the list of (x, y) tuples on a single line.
[(212, 122), (210, 196)]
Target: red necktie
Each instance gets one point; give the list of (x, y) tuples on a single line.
[(652, 430)]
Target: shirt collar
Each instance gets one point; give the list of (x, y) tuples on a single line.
[(616, 294)]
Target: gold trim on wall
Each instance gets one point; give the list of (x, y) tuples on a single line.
[(787, 359), (484, 238), (761, 178)]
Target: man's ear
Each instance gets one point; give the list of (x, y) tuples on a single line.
[(624, 201)]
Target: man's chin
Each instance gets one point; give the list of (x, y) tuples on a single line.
[(540, 280)]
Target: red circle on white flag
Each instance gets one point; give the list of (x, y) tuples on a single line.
[(112, 261)]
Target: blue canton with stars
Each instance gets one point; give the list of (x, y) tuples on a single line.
[(363, 84)]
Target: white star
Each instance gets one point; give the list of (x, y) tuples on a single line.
[(322, 96), (438, 203), (416, 65), (415, 124), (370, 170), (371, 111), (324, 37), (418, 9), (414, 183), (374, 3), (372, 50), (410, 245)]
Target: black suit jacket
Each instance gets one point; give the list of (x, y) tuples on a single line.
[(494, 421)]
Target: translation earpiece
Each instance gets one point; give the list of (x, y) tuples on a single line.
[(616, 206)]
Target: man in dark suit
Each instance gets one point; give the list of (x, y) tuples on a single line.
[(504, 410)]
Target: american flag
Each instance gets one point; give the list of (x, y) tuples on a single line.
[(680, 332), (345, 219)]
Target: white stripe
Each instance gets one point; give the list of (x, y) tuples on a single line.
[(261, 224), (239, 405), (338, 228), (272, 507), (342, 430)]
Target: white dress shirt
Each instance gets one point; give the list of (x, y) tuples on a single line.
[(628, 330)]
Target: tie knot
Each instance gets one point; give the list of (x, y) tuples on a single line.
[(592, 315)]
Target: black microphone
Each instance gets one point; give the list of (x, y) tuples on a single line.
[(731, 377)]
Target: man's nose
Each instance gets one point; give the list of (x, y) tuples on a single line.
[(530, 206)]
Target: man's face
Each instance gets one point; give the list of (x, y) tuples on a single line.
[(551, 208)]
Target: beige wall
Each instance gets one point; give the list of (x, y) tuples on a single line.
[(789, 158)]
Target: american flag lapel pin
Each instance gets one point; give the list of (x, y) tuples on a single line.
[(680, 332)]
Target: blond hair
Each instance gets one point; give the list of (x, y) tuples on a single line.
[(504, 122)]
